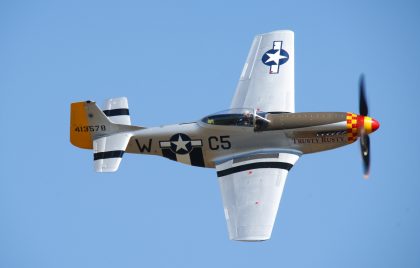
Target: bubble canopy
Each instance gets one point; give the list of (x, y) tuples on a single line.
[(243, 117)]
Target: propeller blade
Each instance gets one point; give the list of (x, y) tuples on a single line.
[(363, 106), (365, 149)]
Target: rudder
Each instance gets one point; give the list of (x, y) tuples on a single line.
[(80, 136)]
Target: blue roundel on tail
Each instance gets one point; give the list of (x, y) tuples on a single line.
[(275, 57)]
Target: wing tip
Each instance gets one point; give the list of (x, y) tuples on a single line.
[(250, 238), (285, 31)]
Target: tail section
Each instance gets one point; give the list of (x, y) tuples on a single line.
[(88, 122), (90, 128)]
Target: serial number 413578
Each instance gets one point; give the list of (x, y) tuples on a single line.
[(90, 128)]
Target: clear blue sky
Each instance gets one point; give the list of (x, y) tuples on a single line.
[(178, 61)]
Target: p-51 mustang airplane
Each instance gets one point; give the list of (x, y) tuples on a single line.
[(253, 145)]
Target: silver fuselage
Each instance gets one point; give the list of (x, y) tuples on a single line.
[(299, 132)]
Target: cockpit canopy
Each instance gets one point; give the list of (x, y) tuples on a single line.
[(243, 117)]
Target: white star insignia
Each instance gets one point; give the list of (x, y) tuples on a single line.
[(276, 57), (181, 144)]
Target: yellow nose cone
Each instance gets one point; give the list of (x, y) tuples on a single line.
[(370, 124)]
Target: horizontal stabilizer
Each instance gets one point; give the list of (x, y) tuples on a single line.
[(108, 151), (116, 109)]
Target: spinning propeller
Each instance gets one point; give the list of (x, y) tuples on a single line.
[(363, 130)]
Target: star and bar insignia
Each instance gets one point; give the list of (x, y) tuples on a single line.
[(182, 149), (275, 57)]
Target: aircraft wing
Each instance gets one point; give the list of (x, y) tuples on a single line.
[(267, 79), (251, 187)]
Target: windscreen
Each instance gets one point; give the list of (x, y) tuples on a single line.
[(233, 117)]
